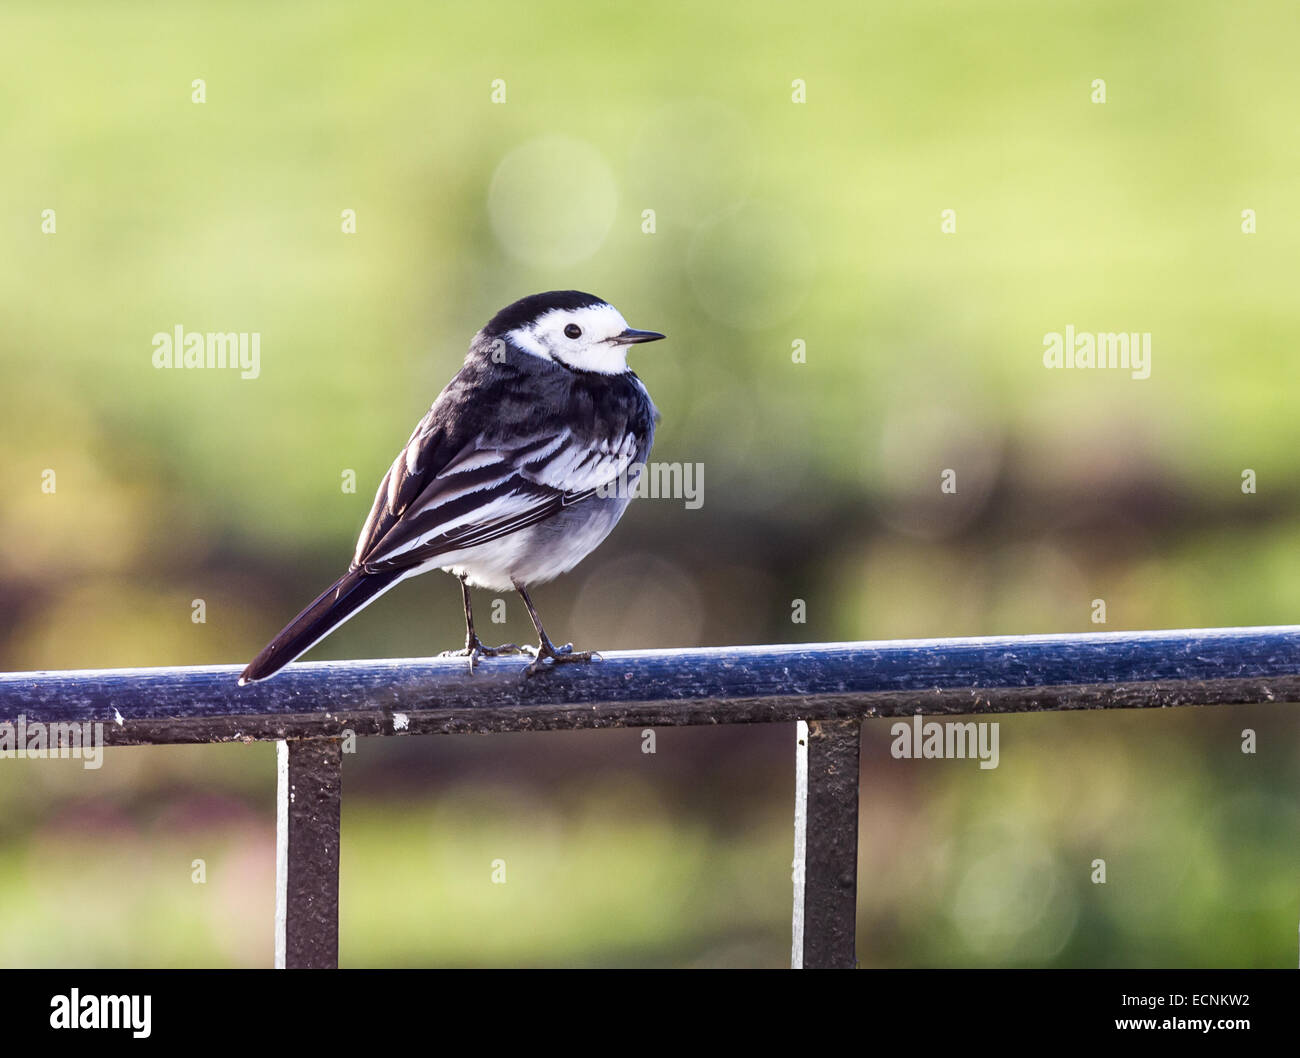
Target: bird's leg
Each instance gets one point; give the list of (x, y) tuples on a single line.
[(474, 648), (545, 648)]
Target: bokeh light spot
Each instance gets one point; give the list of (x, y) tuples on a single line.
[(552, 201)]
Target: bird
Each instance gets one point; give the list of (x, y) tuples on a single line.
[(522, 466)]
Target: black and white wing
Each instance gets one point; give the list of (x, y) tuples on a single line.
[(488, 489)]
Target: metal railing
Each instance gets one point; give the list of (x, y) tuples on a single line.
[(826, 690)]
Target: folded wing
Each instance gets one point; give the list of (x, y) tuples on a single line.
[(487, 490)]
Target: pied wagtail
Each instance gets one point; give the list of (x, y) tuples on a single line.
[(498, 483)]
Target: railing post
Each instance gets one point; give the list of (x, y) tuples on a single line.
[(826, 844), (308, 802)]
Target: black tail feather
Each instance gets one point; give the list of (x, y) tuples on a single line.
[(345, 597)]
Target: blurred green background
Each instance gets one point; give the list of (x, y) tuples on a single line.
[(775, 222)]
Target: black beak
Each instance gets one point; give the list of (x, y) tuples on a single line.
[(633, 337)]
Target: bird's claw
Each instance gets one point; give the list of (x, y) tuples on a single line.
[(476, 650), (556, 656)]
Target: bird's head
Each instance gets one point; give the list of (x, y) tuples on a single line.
[(575, 330)]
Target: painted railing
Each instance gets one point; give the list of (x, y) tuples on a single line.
[(824, 691)]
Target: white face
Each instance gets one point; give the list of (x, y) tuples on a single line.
[(579, 338)]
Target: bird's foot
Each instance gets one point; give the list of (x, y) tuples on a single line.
[(556, 656), (475, 649)]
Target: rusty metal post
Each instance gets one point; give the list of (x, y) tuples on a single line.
[(826, 844), (308, 802)]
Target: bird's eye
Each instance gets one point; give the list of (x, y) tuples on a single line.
[(573, 331)]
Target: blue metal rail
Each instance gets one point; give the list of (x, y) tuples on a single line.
[(828, 689)]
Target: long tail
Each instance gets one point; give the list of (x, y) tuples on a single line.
[(345, 597)]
